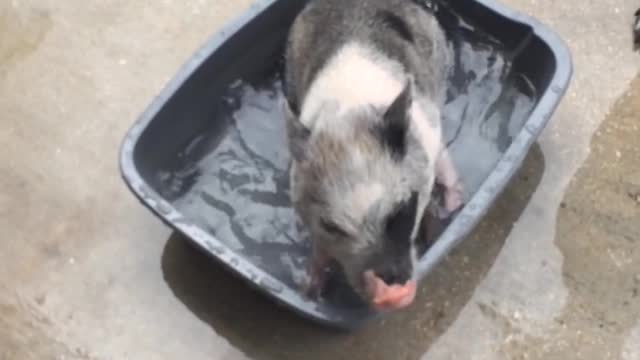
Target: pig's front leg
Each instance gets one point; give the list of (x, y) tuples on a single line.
[(447, 176), (316, 273)]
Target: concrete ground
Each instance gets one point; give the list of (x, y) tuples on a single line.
[(86, 272)]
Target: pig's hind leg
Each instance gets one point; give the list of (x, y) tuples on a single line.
[(447, 176)]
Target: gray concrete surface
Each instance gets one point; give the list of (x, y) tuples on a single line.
[(88, 273)]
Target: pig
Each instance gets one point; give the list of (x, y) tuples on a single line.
[(364, 87)]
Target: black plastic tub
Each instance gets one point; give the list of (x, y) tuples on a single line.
[(208, 156)]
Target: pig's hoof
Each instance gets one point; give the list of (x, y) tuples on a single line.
[(312, 286), (310, 290)]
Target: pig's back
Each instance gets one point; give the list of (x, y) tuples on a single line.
[(397, 31)]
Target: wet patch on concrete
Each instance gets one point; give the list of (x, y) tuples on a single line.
[(264, 331), (598, 234)]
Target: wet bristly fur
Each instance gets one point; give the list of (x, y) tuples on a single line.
[(365, 81)]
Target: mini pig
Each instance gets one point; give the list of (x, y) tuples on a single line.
[(365, 82)]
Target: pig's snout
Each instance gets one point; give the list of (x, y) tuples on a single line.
[(385, 297)]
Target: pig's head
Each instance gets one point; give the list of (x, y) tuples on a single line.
[(360, 183)]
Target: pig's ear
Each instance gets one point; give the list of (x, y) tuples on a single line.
[(396, 121), (297, 134)]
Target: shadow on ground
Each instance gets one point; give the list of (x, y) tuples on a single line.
[(262, 330)]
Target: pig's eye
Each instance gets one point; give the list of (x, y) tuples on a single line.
[(332, 228)]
